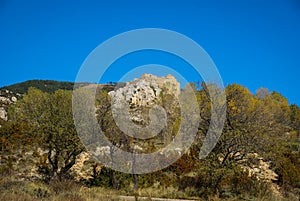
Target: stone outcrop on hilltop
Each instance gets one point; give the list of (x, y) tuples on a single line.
[(132, 102), (146, 90)]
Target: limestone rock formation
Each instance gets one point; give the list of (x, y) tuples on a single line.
[(82, 169), (138, 103), (262, 171), (146, 90), (3, 114), (6, 98)]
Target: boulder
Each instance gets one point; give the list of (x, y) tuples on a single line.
[(3, 114)]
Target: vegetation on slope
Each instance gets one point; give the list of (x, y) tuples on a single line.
[(49, 86), (262, 124)]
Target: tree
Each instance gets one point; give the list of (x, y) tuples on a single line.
[(295, 117), (245, 132), (50, 116), (115, 135)]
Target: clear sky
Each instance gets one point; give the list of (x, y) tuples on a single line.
[(252, 42)]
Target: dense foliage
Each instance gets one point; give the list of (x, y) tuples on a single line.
[(261, 126), (47, 122), (49, 86)]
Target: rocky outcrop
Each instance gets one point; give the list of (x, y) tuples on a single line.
[(141, 95), (82, 169), (146, 90), (262, 171), (258, 167), (6, 98), (3, 114)]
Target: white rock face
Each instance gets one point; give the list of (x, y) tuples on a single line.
[(102, 151), (5, 100), (144, 91), (80, 170), (137, 103), (3, 114), (167, 152)]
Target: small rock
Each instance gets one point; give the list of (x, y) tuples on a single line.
[(5, 100), (3, 114), (14, 99)]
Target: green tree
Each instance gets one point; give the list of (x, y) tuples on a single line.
[(245, 132), (295, 117), (50, 116), (244, 127)]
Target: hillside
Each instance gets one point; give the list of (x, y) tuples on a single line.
[(256, 157), (10, 94), (49, 86)]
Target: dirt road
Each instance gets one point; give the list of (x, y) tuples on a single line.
[(129, 198)]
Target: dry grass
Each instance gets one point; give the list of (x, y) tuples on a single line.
[(15, 190)]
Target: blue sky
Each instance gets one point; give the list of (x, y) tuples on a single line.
[(254, 43)]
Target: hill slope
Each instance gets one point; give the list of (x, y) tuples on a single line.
[(44, 85)]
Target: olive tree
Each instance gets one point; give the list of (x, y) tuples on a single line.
[(51, 121)]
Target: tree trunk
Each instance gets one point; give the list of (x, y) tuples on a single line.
[(136, 182), (135, 177), (115, 181), (136, 186)]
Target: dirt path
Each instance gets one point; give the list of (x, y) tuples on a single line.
[(129, 198)]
